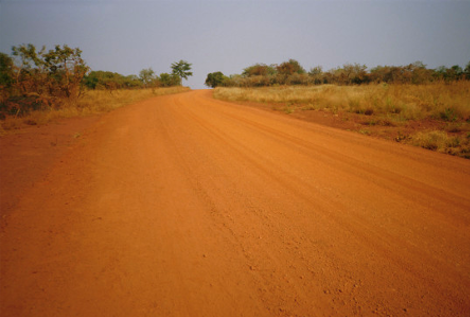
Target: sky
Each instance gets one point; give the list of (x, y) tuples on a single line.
[(126, 36)]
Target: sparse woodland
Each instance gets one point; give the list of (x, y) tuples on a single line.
[(37, 86), (435, 102), (60, 82), (291, 73)]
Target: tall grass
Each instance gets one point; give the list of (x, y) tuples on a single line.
[(441, 101), (97, 101), (444, 105), (92, 102)]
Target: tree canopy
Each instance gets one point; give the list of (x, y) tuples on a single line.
[(58, 71), (182, 69), (214, 79)]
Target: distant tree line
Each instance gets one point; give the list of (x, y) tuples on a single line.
[(32, 78), (292, 73), (146, 79)]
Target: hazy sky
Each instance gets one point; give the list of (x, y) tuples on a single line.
[(126, 36)]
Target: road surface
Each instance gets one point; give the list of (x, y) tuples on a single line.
[(187, 206)]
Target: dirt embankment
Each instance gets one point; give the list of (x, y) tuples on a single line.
[(186, 206)]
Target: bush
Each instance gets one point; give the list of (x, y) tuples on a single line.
[(215, 79)]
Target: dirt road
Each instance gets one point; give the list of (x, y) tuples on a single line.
[(186, 206)]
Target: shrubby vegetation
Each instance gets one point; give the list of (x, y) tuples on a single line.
[(412, 104), (32, 79), (110, 81), (435, 116), (292, 73)]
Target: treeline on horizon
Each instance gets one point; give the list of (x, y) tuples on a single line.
[(31, 79), (146, 79), (292, 73)]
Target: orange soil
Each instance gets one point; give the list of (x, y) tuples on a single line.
[(186, 206)]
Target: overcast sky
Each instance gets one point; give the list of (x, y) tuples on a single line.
[(126, 36)]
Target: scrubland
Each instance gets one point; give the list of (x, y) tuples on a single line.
[(440, 110)]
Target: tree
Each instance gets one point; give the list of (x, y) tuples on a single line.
[(455, 72), (132, 81), (59, 71), (182, 70), (287, 69), (416, 73), (317, 70), (355, 73), (259, 70), (66, 70), (317, 74), (147, 76), (214, 79), (6, 70), (467, 71), (29, 69), (290, 67), (168, 80), (109, 80), (440, 72)]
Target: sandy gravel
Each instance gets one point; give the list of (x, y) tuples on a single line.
[(186, 206)]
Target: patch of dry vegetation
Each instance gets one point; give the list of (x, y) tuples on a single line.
[(442, 142), (402, 102), (92, 102), (382, 104)]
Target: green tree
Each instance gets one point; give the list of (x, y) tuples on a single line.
[(215, 79), (57, 72), (182, 70), (132, 81), (316, 73), (66, 69), (30, 75), (440, 72), (317, 70), (6, 71), (147, 77), (168, 80), (456, 72), (259, 70), (109, 80), (467, 71)]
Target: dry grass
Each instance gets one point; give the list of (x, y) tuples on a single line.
[(442, 109), (449, 102), (441, 141), (92, 102)]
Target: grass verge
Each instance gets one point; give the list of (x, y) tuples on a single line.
[(91, 103), (434, 116)]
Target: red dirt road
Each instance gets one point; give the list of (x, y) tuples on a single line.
[(186, 206)]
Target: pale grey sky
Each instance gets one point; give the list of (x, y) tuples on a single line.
[(126, 36)]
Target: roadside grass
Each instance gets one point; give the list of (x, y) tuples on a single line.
[(441, 141), (447, 104), (91, 103)]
